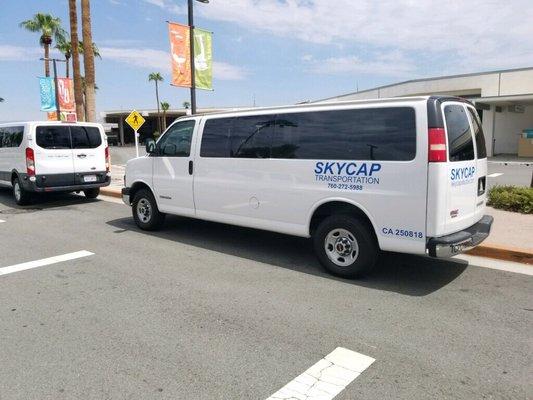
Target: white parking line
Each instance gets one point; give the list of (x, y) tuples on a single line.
[(494, 175), (1, 221), (327, 378), (44, 262), (500, 265)]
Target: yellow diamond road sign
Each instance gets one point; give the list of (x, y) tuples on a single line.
[(135, 120)]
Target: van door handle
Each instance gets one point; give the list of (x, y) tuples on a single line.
[(82, 155), (190, 167)]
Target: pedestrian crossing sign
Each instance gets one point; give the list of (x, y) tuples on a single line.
[(135, 120)]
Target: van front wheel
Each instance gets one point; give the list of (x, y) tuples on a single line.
[(145, 212), (345, 246)]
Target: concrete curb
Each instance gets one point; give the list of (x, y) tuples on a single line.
[(484, 250), (503, 253), (111, 191)]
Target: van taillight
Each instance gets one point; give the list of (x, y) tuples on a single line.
[(30, 162), (437, 145), (107, 159)]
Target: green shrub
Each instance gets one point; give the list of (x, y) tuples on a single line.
[(512, 198)]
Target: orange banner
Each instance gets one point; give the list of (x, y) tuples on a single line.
[(66, 94), (181, 54)]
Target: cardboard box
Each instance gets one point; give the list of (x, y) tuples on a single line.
[(525, 147)]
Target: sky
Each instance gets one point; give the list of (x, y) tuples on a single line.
[(270, 52)]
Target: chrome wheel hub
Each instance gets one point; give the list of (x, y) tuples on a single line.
[(144, 210), (341, 247), (16, 190)]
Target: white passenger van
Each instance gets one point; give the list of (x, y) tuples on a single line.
[(53, 157), (404, 175)]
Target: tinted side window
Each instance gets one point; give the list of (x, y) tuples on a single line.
[(85, 137), (53, 137), (459, 133), (251, 136), (478, 135), (215, 138), (177, 140), (387, 134), (18, 134)]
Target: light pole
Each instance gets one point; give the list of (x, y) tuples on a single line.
[(56, 88), (191, 34)]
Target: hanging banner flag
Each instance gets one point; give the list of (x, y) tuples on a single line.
[(65, 89), (48, 94), (181, 54), (203, 59)]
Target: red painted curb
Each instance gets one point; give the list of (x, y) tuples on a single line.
[(111, 192), (503, 253)]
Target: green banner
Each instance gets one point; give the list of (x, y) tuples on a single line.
[(203, 59)]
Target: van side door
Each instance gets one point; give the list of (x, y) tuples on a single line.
[(173, 169)]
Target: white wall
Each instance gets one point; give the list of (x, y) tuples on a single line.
[(508, 126)]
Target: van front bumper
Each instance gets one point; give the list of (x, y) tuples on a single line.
[(450, 245)]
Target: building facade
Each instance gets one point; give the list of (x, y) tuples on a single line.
[(504, 100)]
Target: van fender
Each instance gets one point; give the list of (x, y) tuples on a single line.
[(342, 200), (144, 183)]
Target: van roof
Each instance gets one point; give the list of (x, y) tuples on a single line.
[(49, 123), (323, 104)]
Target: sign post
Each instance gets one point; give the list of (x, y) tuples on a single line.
[(135, 120)]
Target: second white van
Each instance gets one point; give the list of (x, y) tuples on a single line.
[(404, 175), (38, 157)]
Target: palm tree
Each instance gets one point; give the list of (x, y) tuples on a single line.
[(76, 69), (84, 89), (88, 61), (164, 106), (156, 77), (1, 99), (96, 50), (186, 105), (49, 27), (66, 49)]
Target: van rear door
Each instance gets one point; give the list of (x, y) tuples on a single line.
[(464, 173), (53, 156), (88, 150)]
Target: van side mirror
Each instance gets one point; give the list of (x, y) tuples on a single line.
[(150, 146)]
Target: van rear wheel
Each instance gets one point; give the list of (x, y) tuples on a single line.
[(91, 193), (22, 197), (345, 246), (145, 212)]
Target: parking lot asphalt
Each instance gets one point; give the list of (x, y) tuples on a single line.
[(209, 311)]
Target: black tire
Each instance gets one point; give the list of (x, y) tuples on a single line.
[(333, 240), (21, 196), (145, 212), (91, 193)]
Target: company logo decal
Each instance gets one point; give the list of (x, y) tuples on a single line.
[(462, 176)]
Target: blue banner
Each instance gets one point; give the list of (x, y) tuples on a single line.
[(48, 94)]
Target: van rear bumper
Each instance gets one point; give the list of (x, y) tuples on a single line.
[(450, 245), (63, 182)]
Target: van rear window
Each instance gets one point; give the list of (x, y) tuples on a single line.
[(478, 134), (68, 137), (85, 137), (53, 137), (461, 146)]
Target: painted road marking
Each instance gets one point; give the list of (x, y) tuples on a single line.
[(327, 378), (44, 262), (494, 175), (1, 221)]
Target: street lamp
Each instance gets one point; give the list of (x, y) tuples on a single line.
[(191, 27)]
